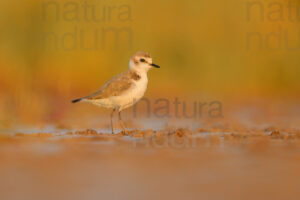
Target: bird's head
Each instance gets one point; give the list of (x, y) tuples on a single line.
[(142, 61)]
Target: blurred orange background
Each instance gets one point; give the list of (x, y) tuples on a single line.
[(232, 51)]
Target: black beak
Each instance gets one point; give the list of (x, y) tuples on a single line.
[(154, 65)]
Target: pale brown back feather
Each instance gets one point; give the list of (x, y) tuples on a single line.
[(115, 86)]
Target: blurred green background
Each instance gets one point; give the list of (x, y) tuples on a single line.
[(54, 51)]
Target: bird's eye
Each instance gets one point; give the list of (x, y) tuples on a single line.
[(142, 60)]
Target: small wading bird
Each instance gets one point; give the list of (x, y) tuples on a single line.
[(125, 89)]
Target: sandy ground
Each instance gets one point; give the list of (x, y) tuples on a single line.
[(250, 153), (178, 163)]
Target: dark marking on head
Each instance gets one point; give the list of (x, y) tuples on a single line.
[(135, 61)]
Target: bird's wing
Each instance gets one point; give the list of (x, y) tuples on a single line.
[(114, 87)]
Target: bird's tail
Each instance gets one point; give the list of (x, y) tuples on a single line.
[(76, 100)]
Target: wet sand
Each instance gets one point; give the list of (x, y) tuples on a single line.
[(170, 163)]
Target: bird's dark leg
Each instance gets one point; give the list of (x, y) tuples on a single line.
[(111, 121), (122, 123)]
